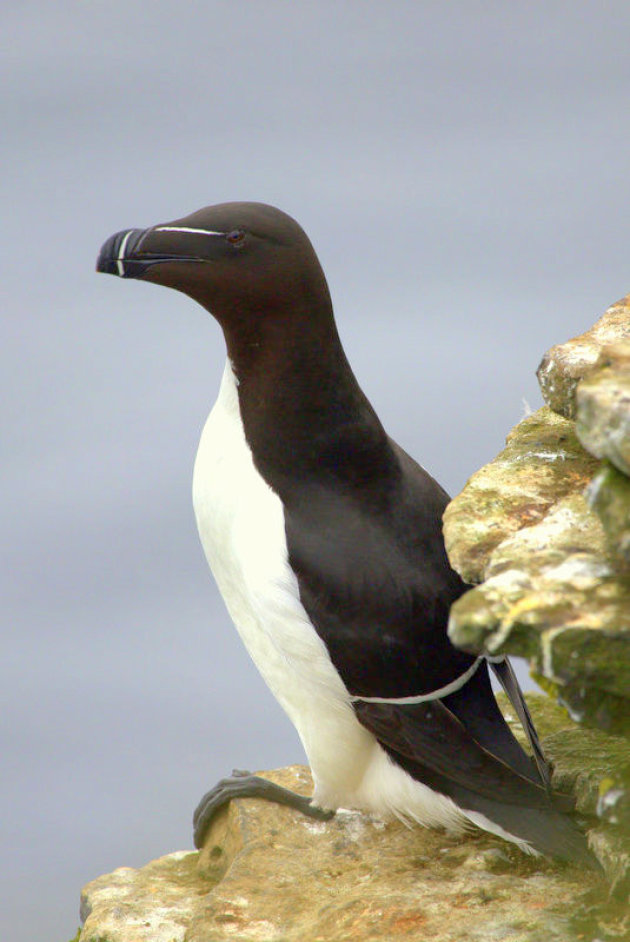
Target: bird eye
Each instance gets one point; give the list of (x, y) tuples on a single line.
[(235, 237)]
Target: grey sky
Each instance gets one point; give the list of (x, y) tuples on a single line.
[(462, 170)]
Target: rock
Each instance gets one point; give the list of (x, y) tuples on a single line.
[(547, 526), (609, 496), (564, 365), (543, 461), (143, 904), (551, 596), (586, 762), (595, 767), (603, 409), (268, 873)]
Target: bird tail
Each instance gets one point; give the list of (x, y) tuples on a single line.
[(542, 827), (535, 830)]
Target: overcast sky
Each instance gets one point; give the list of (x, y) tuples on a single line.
[(462, 170)]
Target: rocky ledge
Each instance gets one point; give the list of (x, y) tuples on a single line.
[(267, 874)]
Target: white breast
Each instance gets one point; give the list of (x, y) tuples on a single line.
[(241, 525)]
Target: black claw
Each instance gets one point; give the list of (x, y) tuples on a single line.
[(245, 785)]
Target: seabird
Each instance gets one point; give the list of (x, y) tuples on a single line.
[(325, 539)]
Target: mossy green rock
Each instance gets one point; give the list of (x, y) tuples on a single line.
[(547, 527), (551, 596), (609, 496), (595, 767), (603, 409), (542, 462)]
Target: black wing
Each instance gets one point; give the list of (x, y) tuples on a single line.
[(435, 747), (377, 585), (374, 577)]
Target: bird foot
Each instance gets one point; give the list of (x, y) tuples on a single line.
[(243, 784)]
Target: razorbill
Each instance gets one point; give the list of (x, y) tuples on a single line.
[(325, 539)]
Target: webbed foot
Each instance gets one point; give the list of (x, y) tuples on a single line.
[(245, 785)]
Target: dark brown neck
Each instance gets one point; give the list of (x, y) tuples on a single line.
[(303, 411)]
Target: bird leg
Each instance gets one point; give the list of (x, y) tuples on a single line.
[(245, 785)]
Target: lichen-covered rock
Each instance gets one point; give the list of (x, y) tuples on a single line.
[(552, 596), (564, 365), (603, 410), (609, 496), (595, 766), (267, 873), (556, 563), (541, 463), (586, 762), (153, 904)]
